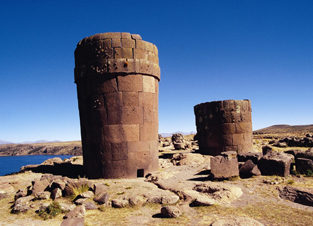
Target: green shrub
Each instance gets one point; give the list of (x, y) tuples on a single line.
[(52, 210)]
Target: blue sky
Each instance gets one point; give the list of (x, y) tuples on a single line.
[(208, 50)]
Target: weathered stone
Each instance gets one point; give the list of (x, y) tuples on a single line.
[(298, 195), (56, 193), (136, 201), (117, 84), (203, 201), (87, 194), (170, 212), (275, 163), (224, 126), (67, 207), (100, 188), (20, 193), (102, 198), (303, 165), (266, 150), (78, 212), (120, 203), (308, 154), (39, 186), (22, 204), (253, 156), (58, 183), (80, 201), (223, 168), (90, 205), (43, 195), (179, 146), (73, 222), (249, 169)]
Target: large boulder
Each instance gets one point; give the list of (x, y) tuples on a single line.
[(224, 166), (298, 195), (308, 154), (275, 163)]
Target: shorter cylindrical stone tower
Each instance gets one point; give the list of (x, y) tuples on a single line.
[(117, 76), (224, 126)]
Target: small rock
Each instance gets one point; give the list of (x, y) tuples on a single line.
[(170, 212), (67, 207), (78, 212), (99, 188), (136, 201), (101, 198), (90, 205), (56, 193), (43, 195), (87, 194), (73, 222), (120, 203), (203, 201)]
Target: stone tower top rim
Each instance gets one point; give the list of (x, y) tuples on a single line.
[(109, 35)]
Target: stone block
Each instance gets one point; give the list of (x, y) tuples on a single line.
[(132, 115), (243, 127), (106, 86), (148, 100), (126, 35), (146, 67), (136, 37), (227, 140), (224, 168), (140, 44), (230, 148), (128, 43), (110, 35), (274, 163), (213, 141), (152, 57), (229, 128), (229, 105), (121, 133), (130, 83), (116, 43), (148, 131), (148, 84), (249, 169), (119, 151), (140, 54), (130, 99), (253, 156), (150, 115), (238, 139)]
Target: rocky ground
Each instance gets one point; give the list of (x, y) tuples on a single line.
[(181, 183)]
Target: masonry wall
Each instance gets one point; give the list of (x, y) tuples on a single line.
[(224, 126), (117, 76)]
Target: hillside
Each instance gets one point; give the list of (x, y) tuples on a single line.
[(299, 129), (57, 148)]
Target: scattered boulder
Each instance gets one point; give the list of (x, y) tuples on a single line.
[(302, 196), (56, 193), (203, 201), (308, 154), (102, 198), (170, 212), (275, 163), (90, 205), (43, 195), (120, 203), (78, 212), (39, 186), (224, 166), (99, 188), (190, 159), (266, 150), (136, 201), (73, 221), (178, 141), (249, 169)]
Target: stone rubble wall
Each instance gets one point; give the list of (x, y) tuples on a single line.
[(117, 76), (224, 126)]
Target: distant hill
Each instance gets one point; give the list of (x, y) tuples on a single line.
[(58, 148), (5, 142), (170, 134), (285, 129)]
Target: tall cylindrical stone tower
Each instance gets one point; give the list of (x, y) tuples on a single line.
[(224, 126), (117, 76)]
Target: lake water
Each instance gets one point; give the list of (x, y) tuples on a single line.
[(12, 164)]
